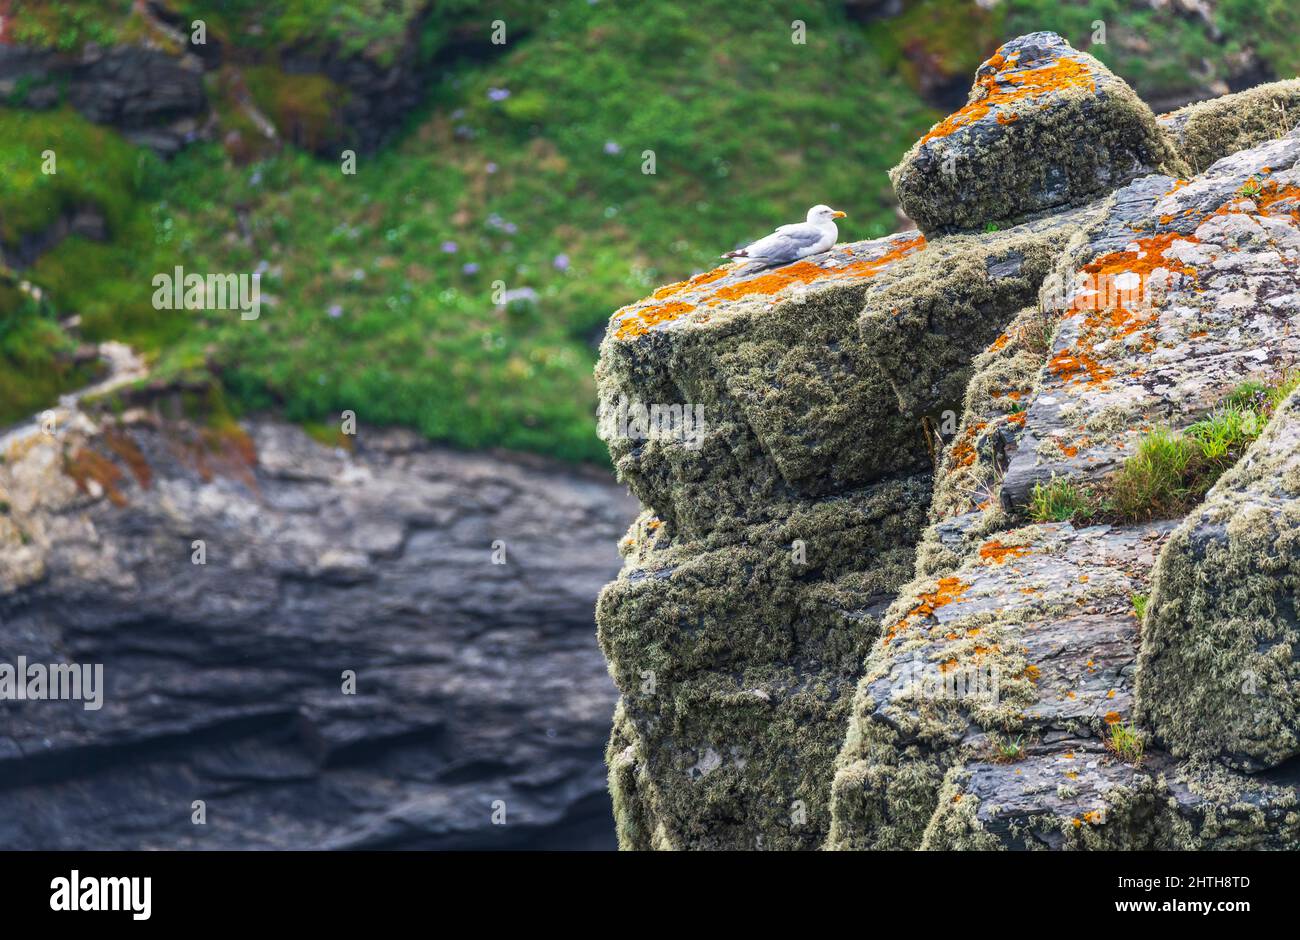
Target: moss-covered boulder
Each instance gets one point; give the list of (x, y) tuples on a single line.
[(1219, 674), (1046, 127), (737, 659), (1208, 131), (725, 397), (728, 398)]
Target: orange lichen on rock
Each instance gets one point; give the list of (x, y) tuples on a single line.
[(963, 451), (946, 592), (1073, 365), (1113, 309), (1003, 86), (1122, 322), (639, 321), (1271, 194), (801, 272), (1145, 258), (994, 552), (805, 272), (699, 280)]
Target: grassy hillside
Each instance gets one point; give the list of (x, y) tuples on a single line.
[(523, 168)]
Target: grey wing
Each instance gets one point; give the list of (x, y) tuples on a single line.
[(785, 243)]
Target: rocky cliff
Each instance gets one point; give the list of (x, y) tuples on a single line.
[(982, 537), (384, 645)]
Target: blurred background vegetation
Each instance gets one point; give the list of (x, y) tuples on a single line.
[(519, 163)]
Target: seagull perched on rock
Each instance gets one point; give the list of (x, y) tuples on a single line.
[(792, 242)]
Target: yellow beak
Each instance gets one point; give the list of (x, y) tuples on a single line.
[(837, 214)]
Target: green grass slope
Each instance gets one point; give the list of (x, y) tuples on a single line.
[(524, 174)]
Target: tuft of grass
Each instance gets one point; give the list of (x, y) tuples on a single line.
[(1059, 500), (1227, 431), (1037, 335), (1157, 480), (1007, 750), (1289, 382), (1140, 606), (1126, 743), (1172, 472)]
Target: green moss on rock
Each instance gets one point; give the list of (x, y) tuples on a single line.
[(627, 785), (930, 315), (1218, 673), (737, 660), (967, 508), (1208, 131)]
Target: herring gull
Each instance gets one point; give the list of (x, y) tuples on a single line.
[(792, 242)]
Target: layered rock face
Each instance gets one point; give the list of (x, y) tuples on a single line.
[(453, 591), (1009, 696), (1178, 294)]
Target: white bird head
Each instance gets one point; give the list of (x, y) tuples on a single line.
[(820, 215)]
